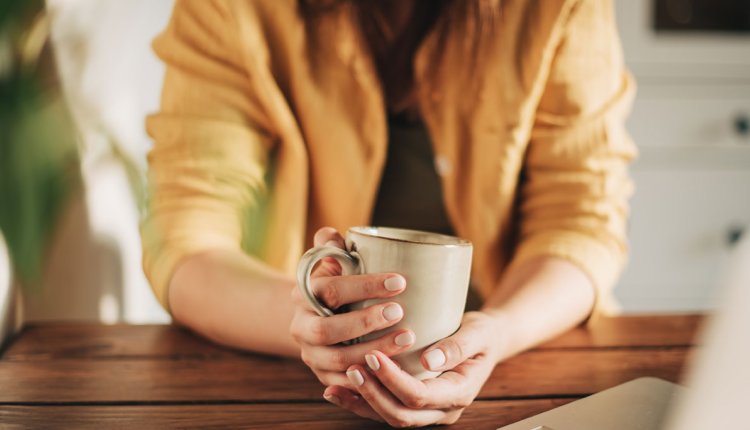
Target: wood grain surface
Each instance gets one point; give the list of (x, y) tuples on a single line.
[(96, 376), (45, 341), (480, 415), (256, 378)]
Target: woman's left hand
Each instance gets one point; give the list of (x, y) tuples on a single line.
[(387, 393)]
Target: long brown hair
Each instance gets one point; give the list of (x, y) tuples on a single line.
[(472, 20)]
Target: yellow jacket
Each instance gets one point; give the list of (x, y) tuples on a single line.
[(264, 136)]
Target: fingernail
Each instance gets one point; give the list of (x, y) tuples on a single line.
[(435, 359), (372, 361), (395, 283), (332, 243), (405, 339), (393, 312), (355, 377), (333, 399)]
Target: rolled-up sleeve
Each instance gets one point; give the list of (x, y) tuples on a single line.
[(575, 190), (210, 142)]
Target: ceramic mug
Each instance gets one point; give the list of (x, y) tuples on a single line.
[(436, 268)]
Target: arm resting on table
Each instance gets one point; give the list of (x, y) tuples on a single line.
[(549, 296), (574, 194), (234, 300)]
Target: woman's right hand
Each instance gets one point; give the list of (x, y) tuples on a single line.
[(320, 337)]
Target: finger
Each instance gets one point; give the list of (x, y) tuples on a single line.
[(346, 399), (329, 378), (328, 266), (388, 406), (328, 234), (447, 393), (336, 291), (339, 358), (310, 328), (453, 350)]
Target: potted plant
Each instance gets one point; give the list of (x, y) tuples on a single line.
[(38, 150)]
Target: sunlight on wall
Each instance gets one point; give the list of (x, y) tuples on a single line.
[(112, 80)]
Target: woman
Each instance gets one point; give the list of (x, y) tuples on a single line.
[(280, 118)]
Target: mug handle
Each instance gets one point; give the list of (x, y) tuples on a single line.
[(350, 260)]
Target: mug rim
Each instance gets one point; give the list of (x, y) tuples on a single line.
[(368, 231)]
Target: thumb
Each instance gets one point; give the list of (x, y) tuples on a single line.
[(453, 350)]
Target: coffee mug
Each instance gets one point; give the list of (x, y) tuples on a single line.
[(436, 268)]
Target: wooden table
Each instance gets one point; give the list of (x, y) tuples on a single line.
[(97, 376)]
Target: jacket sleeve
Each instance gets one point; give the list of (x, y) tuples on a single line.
[(210, 142), (575, 189)]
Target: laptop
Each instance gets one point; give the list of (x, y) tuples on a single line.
[(718, 396)]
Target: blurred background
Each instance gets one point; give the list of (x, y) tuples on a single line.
[(77, 78)]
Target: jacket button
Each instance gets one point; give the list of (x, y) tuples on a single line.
[(443, 166)]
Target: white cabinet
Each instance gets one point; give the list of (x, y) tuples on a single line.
[(693, 175), (680, 232), (696, 116)]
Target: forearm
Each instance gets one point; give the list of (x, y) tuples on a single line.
[(537, 301), (234, 300)]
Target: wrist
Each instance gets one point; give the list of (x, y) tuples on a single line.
[(500, 331)]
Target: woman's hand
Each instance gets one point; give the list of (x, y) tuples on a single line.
[(320, 337), (384, 392)]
